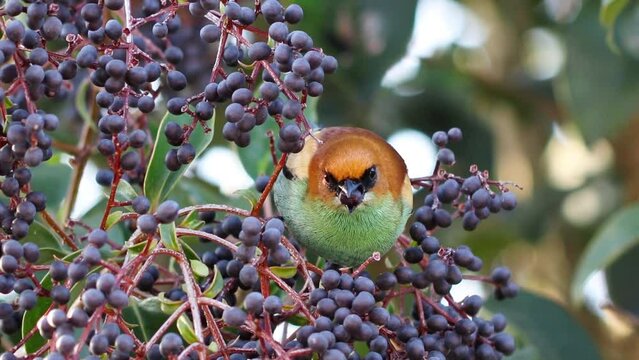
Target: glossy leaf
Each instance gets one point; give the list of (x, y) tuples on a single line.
[(117, 233), (30, 320), (188, 251), (610, 10), (216, 285), (256, 157), (113, 218), (82, 103), (615, 237), (199, 269), (168, 237), (196, 191), (137, 248), (284, 272), (311, 111), (168, 306), (41, 235), (124, 192), (185, 328), (192, 221), (52, 179), (298, 320), (159, 180), (48, 254), (250, 195), (547, 326), (145, 315), (7, 103)]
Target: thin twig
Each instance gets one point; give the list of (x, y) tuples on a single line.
[(269, 185), (213, 207), (165, 326), (211, 237), (49, 220)]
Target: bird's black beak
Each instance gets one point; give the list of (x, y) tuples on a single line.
[(351, 194)]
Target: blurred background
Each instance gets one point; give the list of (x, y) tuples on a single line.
[(547, 95)]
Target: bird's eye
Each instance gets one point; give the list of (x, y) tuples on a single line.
[(370, 177), (331, 182), (372, 173)]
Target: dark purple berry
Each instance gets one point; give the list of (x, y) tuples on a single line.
[(167, 211), (147, 224)]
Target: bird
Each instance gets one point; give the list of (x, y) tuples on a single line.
[(345, 195)]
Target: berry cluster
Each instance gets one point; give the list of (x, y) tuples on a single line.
[(291, 70), (293, 67), (347, 307), (349, 312), (26, 146), (59, 324), (471, 198), (11, 280), (130, 63)]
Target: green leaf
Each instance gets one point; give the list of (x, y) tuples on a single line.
[(168, 306), (124, 192), (193, 190), (168, 237), (192, 221), (47, 255), (31, 317), (298, 320), (525, 353), (216, 285), (146, 315), (159, 180), (599, 110), (113, 218), (251, 195), (361, 348), (199, 269), (284, 272), (137, 248), (30, 320), (53, 180), (42, 236), (213, 345), (185, 327), (610, 10), (118, 233), (256, 157), (547, 326), (7, 103), (188, 251), (81, 104), (615, 237)]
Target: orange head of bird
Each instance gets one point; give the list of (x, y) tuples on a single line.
[(352, 163)]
